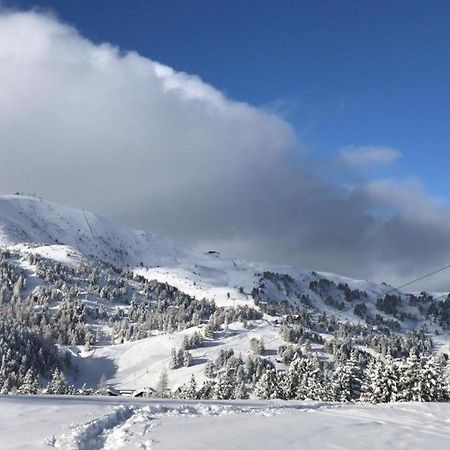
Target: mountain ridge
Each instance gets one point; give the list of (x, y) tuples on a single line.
[(126, 304), (32, 220)]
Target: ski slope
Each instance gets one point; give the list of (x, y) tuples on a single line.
[(138, 364), (92, 423)]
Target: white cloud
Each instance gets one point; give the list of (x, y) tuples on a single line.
[(134, 140), (88, 117), (368, 156)]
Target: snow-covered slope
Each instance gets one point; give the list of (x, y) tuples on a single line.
[(31, 220), (52, 230), (34, 225), (142, 269), (92, 423), (139, 364)]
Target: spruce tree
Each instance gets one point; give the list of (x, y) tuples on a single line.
[(189, 390), (162, 387), (57, 385), (347, 380), (225, 386), (433, 387), (266, 386), (29, 383), (410, 379), (381, 383)]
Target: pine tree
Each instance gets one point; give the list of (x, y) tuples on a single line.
[(29, 383), (381, 381), (410, 379), (293, 378), (18, 286), (347, 380), (240, 373), (57, 385), (433, 388), (187, 358), (209, 369), (281, 384), (225, 386), (310, 383), (391, 378), (162, 388), (315, 389), (371, 387), (266, 386), (207, 391), (174, 360), (7, 385), (257, 346), (189, 390), (240, 391)]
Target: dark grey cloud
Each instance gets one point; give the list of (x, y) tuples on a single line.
[(131, 139)]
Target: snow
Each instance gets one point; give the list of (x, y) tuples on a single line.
[(138, 364), (60, 253), (110, 423), (219, 283), (32, 225), (67, 235), (33, 221)]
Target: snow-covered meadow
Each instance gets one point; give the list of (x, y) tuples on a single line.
[(33, 422)]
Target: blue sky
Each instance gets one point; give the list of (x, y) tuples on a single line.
[(342, 72)]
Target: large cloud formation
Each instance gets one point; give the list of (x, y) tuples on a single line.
[(131, 139)]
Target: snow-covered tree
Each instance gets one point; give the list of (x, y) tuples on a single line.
[(347, 380), (381, 381), (410, 381), (57, 385), (162, 387), (189, 390), (29, 384), (432, 382), (225, 386), (266, 386)]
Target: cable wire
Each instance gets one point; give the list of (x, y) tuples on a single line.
[(418, 279)]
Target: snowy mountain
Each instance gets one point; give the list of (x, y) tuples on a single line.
[(124, 306), (31, 220), (30, 224)]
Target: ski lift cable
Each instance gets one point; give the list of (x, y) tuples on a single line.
[(441, 269)]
